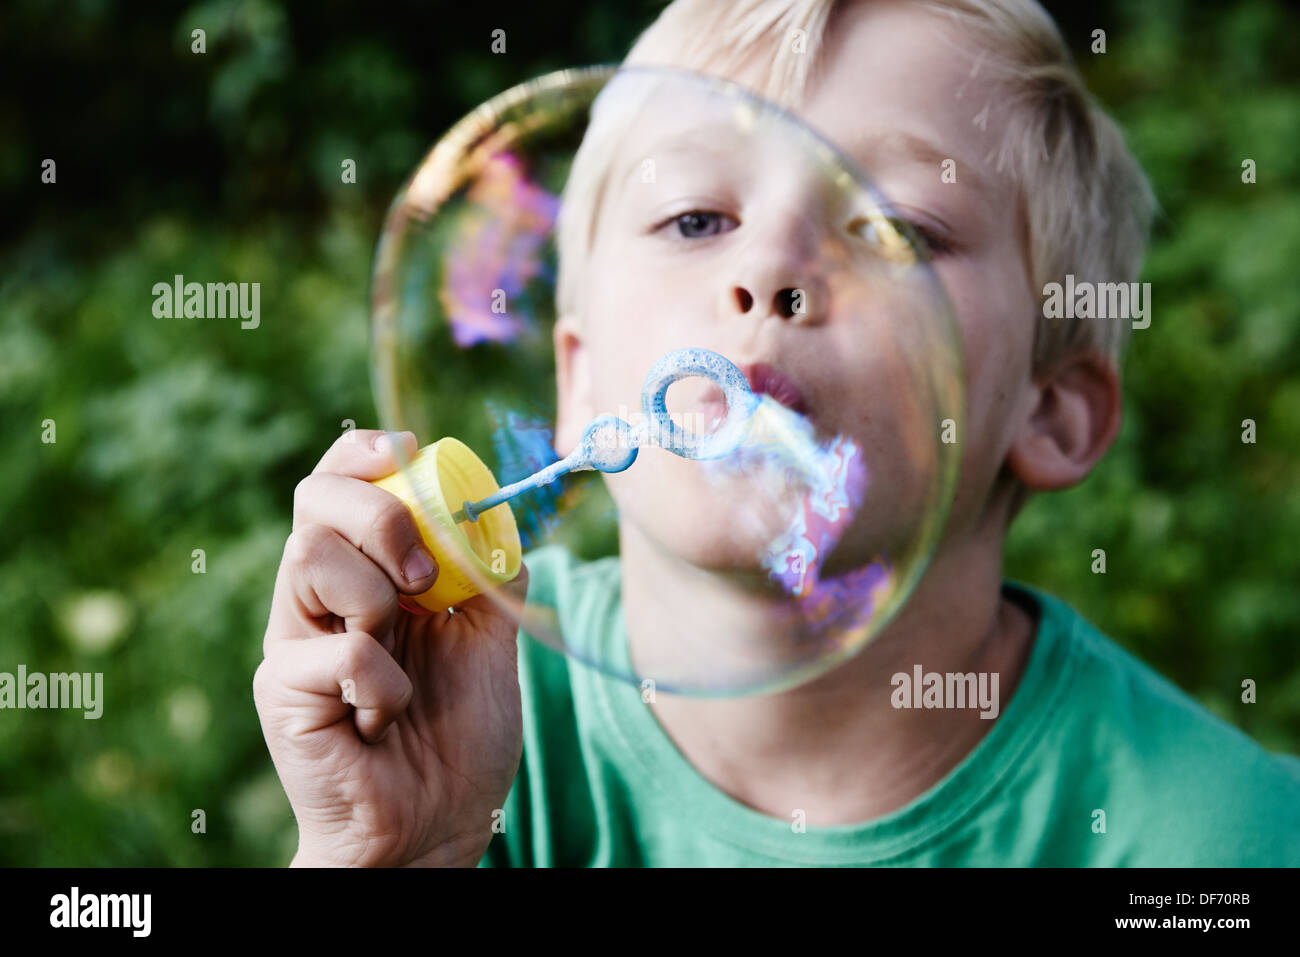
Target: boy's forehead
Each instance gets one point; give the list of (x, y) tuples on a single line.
[(897, 84), (678, 122), (689, 126), (895, 87)]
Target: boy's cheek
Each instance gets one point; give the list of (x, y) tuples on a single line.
[(672, 502), (617, 364)]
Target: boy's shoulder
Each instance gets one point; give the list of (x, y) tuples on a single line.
[(1184, 786)]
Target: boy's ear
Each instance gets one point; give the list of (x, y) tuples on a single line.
[(1074, 421), (573, 408)]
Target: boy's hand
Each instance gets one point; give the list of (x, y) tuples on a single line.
[(395, 735)]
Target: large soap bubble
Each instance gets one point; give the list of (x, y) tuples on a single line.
[(722, 349)]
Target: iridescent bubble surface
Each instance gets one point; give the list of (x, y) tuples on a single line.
[(577, 248)]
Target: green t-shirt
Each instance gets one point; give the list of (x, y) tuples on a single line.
[(1088, 728)]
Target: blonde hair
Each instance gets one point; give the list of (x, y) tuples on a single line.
[(1087, 205)]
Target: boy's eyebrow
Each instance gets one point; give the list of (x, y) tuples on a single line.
[(877, 149)]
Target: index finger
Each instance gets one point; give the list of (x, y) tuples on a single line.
[(368, 454)]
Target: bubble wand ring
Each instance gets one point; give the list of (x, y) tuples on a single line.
[(685, 364)]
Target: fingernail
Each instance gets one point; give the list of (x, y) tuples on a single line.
[(418, 565), (387, 441)]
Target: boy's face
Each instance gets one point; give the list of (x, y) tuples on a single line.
[(893, 93)]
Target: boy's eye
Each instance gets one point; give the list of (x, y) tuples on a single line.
[(867, 229), (700, 224)]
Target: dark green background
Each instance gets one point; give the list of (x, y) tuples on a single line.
[(181, 435)]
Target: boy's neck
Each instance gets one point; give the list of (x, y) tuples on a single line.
[(835, 746)]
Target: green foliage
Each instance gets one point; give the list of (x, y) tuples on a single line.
[(1201, 530)]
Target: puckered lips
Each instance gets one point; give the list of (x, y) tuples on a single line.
[(764, 379)]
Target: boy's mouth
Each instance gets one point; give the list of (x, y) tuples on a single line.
[(763, 379)]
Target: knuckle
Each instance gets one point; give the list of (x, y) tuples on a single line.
[(306, 545), (263, 680), (302, 491)]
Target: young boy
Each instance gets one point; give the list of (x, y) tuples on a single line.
[(453, 740)]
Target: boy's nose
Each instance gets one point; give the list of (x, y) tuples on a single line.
[(777, 273), (801, 301)]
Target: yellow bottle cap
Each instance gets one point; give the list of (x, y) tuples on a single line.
[(471, 556)]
